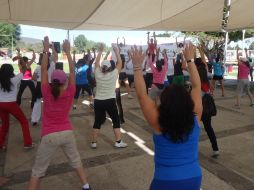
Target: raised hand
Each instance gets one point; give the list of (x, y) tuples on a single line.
[(189, 51), (101, 47), (66, 46), (116, 50), (46, 44), (137, 57)]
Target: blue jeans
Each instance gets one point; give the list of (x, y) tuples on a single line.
[(184, 184)]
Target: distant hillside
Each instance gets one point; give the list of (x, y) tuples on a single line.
[(28, 40)]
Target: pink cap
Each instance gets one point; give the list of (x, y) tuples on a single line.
[(59, 75)]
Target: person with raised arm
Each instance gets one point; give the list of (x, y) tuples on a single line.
[(243, 79), (8, 94), (217, 74), (251, 61), (205, 89), (57, 131), (152, 43), (175, 126), (159, 71), (27, 77), (123, 78), (52, 59), (106, 76)]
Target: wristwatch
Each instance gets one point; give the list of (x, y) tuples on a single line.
[(190, 61)]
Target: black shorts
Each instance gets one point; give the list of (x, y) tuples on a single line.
[(123, 76), (101, 107), (217, 77), (86, 87)]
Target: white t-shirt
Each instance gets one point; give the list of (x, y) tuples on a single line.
[(12, 95), (37, 72), (129, 68), (105, 84), (170, 71)]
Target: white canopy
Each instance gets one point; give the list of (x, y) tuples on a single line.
[(179, 15)]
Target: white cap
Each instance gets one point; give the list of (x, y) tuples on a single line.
[(106, 63)]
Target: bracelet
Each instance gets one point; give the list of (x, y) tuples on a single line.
[(137, 69)]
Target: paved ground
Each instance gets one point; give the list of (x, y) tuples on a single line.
[(132, 168)]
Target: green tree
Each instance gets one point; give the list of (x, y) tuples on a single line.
[(80, 43), (214, 42), (9, 30)]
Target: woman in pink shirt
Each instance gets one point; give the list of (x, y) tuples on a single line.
[(57, 130), (159, 72), (243, 79)]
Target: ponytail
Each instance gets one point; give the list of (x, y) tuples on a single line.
[(55, 88)]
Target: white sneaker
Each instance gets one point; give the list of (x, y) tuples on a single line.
[(215, 154), (130, 96), (93, 145), (120, 145)]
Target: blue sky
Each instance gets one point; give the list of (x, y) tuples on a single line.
[(108, 37)]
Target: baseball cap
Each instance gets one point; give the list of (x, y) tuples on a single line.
[(106, 63), (59, 75)]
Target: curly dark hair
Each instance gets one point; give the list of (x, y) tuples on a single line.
[(176, 116), (6, 73)]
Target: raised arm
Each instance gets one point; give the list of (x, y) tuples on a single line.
[(67, 49), (117, 43), (54, 53), (189, 53), (123, 41), (147, 105), (32, 60), (202, 55), (118, 59), (74, 56), (106, 56), (176, 43), (148, 38), (98, 58), (44, 62), (155, 41), (246, 53)]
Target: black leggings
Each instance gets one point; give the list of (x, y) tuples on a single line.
[(101, 107), (22, 87), (148, 80), (206, 119), (119, 104)]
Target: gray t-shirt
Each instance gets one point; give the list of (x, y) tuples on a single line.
[(105, 84)]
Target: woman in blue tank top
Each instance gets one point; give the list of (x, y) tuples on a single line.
[(176, 129)]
